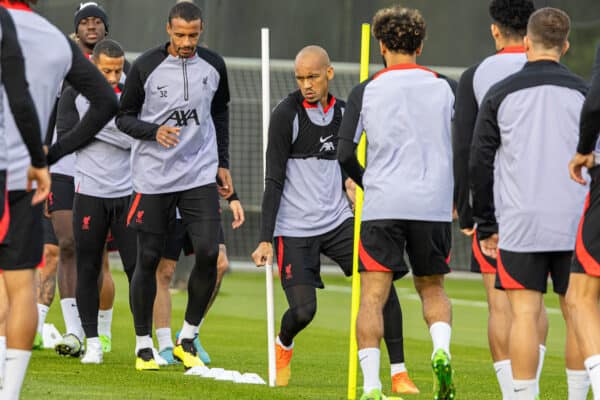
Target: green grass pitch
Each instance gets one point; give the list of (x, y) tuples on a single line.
[(234, 335)]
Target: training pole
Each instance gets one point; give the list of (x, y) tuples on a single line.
[(266, 111), (361, 153)]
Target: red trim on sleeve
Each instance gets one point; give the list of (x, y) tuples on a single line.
[(589, 263), (15, 6), (5, 221), (484, 265), (371, 265), (134, 206), (512, 50), (400, 67), (506, 281)]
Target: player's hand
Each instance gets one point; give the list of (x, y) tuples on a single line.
[(468, 231), (225, 186), (489, 246), (238, 214), (46, 212), (351, 191), (42, 178), (263, 254), (167, 136), (577, 163)]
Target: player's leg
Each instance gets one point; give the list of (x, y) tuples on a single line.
[(381, 260), (339, 245), (107, 301), (60, 207), (90, 225), (18, 259), (46, 280), (162, 307), (199, 208), (150, 216), (375, 287), (3, 316), (524, 278), (428, 247)]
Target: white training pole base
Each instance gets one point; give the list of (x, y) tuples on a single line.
[(220, 374)]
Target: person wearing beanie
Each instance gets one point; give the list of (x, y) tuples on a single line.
[(91, 25)]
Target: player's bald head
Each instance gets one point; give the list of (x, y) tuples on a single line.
[(314, 55)]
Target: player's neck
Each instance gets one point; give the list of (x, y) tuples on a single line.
[(392, 59), (502, 43)]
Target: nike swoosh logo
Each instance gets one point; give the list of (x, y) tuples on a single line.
[(594, 366), (161, 87), (323, 140), (520, 390)]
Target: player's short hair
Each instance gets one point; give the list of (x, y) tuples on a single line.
[(110, 48), (511, 16), (399, 29), (549, 27), (185, 10)]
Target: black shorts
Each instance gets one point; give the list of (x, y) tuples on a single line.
[(427, 243), (587, 245), (481, 263), (49, 235), (530, 270), (299, 259), (4, 208), (155, 213), (61, 193), (23, 245)]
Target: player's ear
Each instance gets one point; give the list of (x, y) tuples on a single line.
[(565, 48), (330, 73), (382, 48), (420, 49), (526, 43), (169, 28)]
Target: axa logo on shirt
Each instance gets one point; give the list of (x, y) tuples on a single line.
[(183, 117)]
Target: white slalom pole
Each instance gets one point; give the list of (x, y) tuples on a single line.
[(266, 111)]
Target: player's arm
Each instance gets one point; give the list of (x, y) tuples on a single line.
[(349, 134), (589, 127), (279, 149), (219, 112), (132, 100), (238, 211), (465, 115), (17, 91), (486, 140), (51, 125), (67, 116), (86, 79)]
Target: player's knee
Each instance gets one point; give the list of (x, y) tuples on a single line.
[(149, 258), (165, 272), (67, 247), (304, 314)]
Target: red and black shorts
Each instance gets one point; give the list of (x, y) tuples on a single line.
[(299, 258), (587, 247), (4, 208), (530, 270), (480, 263), (427, 243), (155, 213), (23, 244)]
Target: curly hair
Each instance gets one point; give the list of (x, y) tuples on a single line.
[(512, 15), (399, 29)]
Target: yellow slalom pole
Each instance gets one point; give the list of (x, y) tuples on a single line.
[(361, 153)]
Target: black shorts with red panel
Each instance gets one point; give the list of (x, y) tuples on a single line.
[(61, 193), (299, 258), (587, 245), (427, 244), (4, 208), (22, 246), (480, 263), (49, 234), (517, 271)]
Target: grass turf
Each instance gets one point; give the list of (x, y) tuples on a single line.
[(234, 335)]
